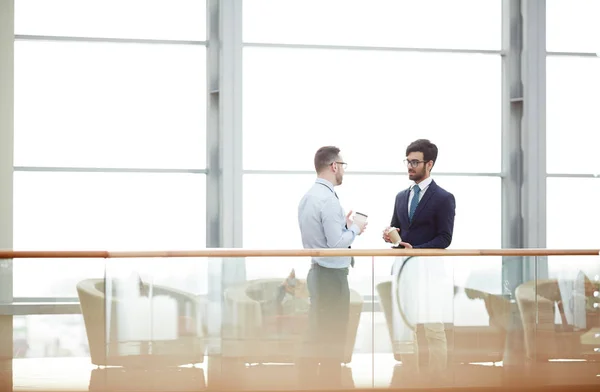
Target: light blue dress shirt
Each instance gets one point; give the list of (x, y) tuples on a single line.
[(323, 224)]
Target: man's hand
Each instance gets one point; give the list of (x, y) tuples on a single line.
[(362, 227), (386, 237), (406, 245), (349, 221)]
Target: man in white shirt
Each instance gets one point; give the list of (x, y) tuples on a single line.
[(323, 224)]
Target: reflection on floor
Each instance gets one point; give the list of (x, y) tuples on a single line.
[(366, 371)]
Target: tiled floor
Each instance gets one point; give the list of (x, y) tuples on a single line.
[(366, 371)]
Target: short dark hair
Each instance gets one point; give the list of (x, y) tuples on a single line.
[(325, 156), (429, 150)]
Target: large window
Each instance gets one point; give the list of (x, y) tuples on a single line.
[(83, 211), (111, 136), (398, 23), (572, 210), (371, 104), (303, 89), (110, 139), (116, 105), (88, 117), (142, 19), (572, 26), (573, 132), (573, 127)]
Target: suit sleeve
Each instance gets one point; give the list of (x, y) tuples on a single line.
[(444, 224), (396, 215)]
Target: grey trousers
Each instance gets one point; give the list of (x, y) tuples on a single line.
[(329, 311), (325, 341)]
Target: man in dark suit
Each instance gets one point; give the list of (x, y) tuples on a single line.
[(423, 213), (424, 217)]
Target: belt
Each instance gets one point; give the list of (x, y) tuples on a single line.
[(318, 266)]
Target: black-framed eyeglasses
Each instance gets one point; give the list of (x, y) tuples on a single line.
[(413, 162), (344, 164)]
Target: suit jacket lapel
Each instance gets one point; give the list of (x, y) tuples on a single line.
[(404, 209), (426, 197)]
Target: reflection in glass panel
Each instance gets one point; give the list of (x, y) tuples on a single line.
[(149, 318), (568, 309), (81, 104), (543, 319), (49, 335), (103, 211), (573, 98), (310, 98), (156, 19), (421, 292), (401, 23), (437, 320), (572, 26), (273, 223), (572, 281), (470, 277), (264, 318)]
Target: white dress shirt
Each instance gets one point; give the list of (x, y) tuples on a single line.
[(322, 224), (423, 185)]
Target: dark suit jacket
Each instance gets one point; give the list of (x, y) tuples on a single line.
[(433, 221)]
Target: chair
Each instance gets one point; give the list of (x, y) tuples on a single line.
[(544, 338), (252, 337), (465, 344), (187, 348)]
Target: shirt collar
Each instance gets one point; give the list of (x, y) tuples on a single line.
[(423, 184), (326, 183)]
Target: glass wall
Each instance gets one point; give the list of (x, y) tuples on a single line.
[(109, 142), (111, 139), (386, 75), (573, 129)]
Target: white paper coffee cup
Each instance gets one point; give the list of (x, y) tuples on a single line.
[(360, 218), (394, 236)]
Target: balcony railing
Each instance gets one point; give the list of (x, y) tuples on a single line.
[(417, 317)]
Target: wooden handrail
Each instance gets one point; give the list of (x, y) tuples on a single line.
[(241, 252)]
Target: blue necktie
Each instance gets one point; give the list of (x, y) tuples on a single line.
[(414, 202)]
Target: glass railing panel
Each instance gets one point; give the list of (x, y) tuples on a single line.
[(384, 359), (415, 295), (488, 333), (241, 323), (47, 284), (147, 323), (455, 321), (564, 342), (272, 339), (513, 320)]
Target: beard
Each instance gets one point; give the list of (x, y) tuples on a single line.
[(416, 175), (339, 177)]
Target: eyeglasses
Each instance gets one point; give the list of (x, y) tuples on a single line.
[(344, 164), (413, 163)]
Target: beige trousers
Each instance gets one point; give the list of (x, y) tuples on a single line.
[(434, 332)]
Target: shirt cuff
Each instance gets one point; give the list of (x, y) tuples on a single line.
[(355, 229)]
